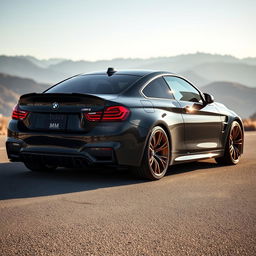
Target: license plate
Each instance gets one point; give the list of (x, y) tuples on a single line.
[(57, 122), (41, 121)]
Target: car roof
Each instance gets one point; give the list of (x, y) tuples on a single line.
[(135, 72)]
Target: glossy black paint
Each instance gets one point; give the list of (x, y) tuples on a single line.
[(190, 126)]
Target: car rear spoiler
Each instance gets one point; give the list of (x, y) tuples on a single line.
[(32, 98)]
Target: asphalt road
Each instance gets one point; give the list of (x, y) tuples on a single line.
[(197, 209)]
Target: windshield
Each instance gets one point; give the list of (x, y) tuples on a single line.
[(94, 84)]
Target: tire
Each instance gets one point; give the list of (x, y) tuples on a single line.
[(234, 146), (156, 157), (39, 167)]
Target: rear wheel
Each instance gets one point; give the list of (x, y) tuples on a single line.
[(234, 146), (39, 167), (156, 156)]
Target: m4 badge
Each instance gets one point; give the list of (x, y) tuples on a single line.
[(54, 126)]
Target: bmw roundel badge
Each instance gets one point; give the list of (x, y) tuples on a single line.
[(55, 105)]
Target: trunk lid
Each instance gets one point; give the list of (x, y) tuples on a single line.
[(59, 112)]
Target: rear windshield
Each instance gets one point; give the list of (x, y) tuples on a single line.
[(95, 84)]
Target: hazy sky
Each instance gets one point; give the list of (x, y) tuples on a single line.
[(94, 29)]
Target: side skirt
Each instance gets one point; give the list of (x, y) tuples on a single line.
[(195, 157)]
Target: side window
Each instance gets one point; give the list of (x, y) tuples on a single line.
[(182, 90), (158, 89)]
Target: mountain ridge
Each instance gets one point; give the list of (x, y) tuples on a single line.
[(199, 68), (11, 87), (238, 97)]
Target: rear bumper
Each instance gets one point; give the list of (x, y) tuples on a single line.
[(19, 150), (124, 145)]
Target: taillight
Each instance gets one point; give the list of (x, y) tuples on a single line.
[(93, 116), (18, 113), (110, 114), (115, 113)]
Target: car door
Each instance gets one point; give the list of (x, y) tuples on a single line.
[(202, 121), (166, 109)]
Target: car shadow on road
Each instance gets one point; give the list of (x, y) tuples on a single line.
[(18, 182)]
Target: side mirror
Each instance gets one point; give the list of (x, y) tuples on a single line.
[(208, 98)]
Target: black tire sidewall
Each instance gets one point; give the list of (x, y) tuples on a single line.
[(146, 155), (227, 153)]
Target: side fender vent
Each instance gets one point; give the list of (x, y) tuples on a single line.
[(224, 123)]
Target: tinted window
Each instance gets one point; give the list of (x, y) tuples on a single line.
[(95, 84), (157, 89), (182, 90)]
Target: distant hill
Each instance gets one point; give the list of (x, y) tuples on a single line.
[(237, 97), (199, 68), (194, 78), (249, 61), (8, 99), (235, 72), (44, 63), (11, 87), (23, 67), (183, 64)]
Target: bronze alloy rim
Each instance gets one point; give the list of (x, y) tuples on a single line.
[(158, 153), (235, 142)]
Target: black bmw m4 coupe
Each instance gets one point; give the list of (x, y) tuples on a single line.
[(145, 120)]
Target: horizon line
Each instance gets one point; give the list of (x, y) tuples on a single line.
[(125, 58)]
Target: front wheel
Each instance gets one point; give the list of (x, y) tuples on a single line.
[(234, 146), (156, 156)]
